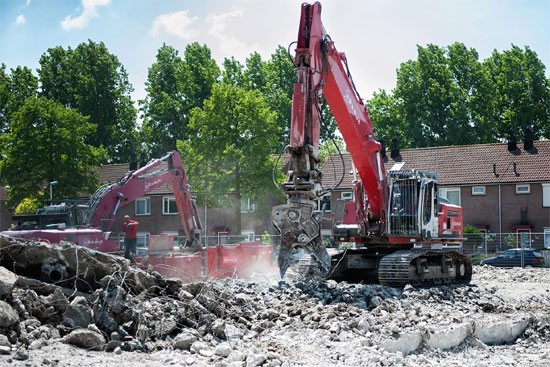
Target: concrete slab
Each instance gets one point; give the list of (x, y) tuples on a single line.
[(505, 329), (404, 343), (449, 337)]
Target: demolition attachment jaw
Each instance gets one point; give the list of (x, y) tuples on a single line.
[(299, 229)]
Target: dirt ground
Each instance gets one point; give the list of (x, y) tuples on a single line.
[(262, 322)]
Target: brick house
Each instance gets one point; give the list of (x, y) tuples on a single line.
[(504, 193)]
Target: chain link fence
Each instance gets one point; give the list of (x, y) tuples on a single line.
[(477, 245)]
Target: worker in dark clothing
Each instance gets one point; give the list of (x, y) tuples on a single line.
[(129, 227)]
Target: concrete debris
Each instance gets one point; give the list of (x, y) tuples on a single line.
[(85, 338), (8, 316), (95, 301), (7, 282)]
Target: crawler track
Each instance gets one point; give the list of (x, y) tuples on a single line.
[(424, 267)]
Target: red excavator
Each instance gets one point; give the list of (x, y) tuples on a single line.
[(403, 233), (90, 224)]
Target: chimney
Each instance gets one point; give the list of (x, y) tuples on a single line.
[(142, 160), (528, 141), (394, 149), (512, 147), (133, 162)]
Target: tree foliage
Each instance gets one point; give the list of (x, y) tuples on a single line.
[(175, 86), (4, 98), (520, 93), (279, 86), (434, 96), (93, 81), (230, 152), (448, 97), (15, 88), (27, 206), (45, 143)]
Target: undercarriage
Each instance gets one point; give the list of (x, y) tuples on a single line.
[(419, 267)]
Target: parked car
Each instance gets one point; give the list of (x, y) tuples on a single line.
[(513, 257)]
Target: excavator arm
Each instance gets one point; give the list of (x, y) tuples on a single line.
[(107, 200), (322, 70)]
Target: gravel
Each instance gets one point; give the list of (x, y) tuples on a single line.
[(235, 322)]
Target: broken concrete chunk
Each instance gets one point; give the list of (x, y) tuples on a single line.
[(77, 316), (85, 338), (223, 350), (184, 340), (8, 316), (7, 282)]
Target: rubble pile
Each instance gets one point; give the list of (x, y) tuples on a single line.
[(69, 296)]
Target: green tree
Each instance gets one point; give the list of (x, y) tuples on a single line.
[(15, 88), (254, 75), (434, 96), (279, 86), (232, 71), (385, 117), (163, 116), (4, 98), (46, 143), (520, 93), (231, 150), (448, 97), (174, 87), (27, 206), (202, 73), (93, 81)]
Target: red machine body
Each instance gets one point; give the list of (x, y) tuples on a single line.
[(396, 219)]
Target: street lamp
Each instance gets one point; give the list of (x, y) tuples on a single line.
[(52, 184)]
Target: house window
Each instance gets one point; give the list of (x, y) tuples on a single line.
[(169, 206), (452, 194), (143, 206), (247, 205), (142, 242), (247, 235), (478, 190), (348, 195), (323, 203), (523, 189), (546, 195)]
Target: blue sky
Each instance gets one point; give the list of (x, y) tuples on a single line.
[(376, 35)]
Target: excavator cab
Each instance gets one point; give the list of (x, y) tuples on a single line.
[(412, 204)]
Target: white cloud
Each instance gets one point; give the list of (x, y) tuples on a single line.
[(177, 24), (221, 29), (89, 11), (28, 3), (20, 20)]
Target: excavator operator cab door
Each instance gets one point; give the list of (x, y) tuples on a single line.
[(404, 210), (428, 208)]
